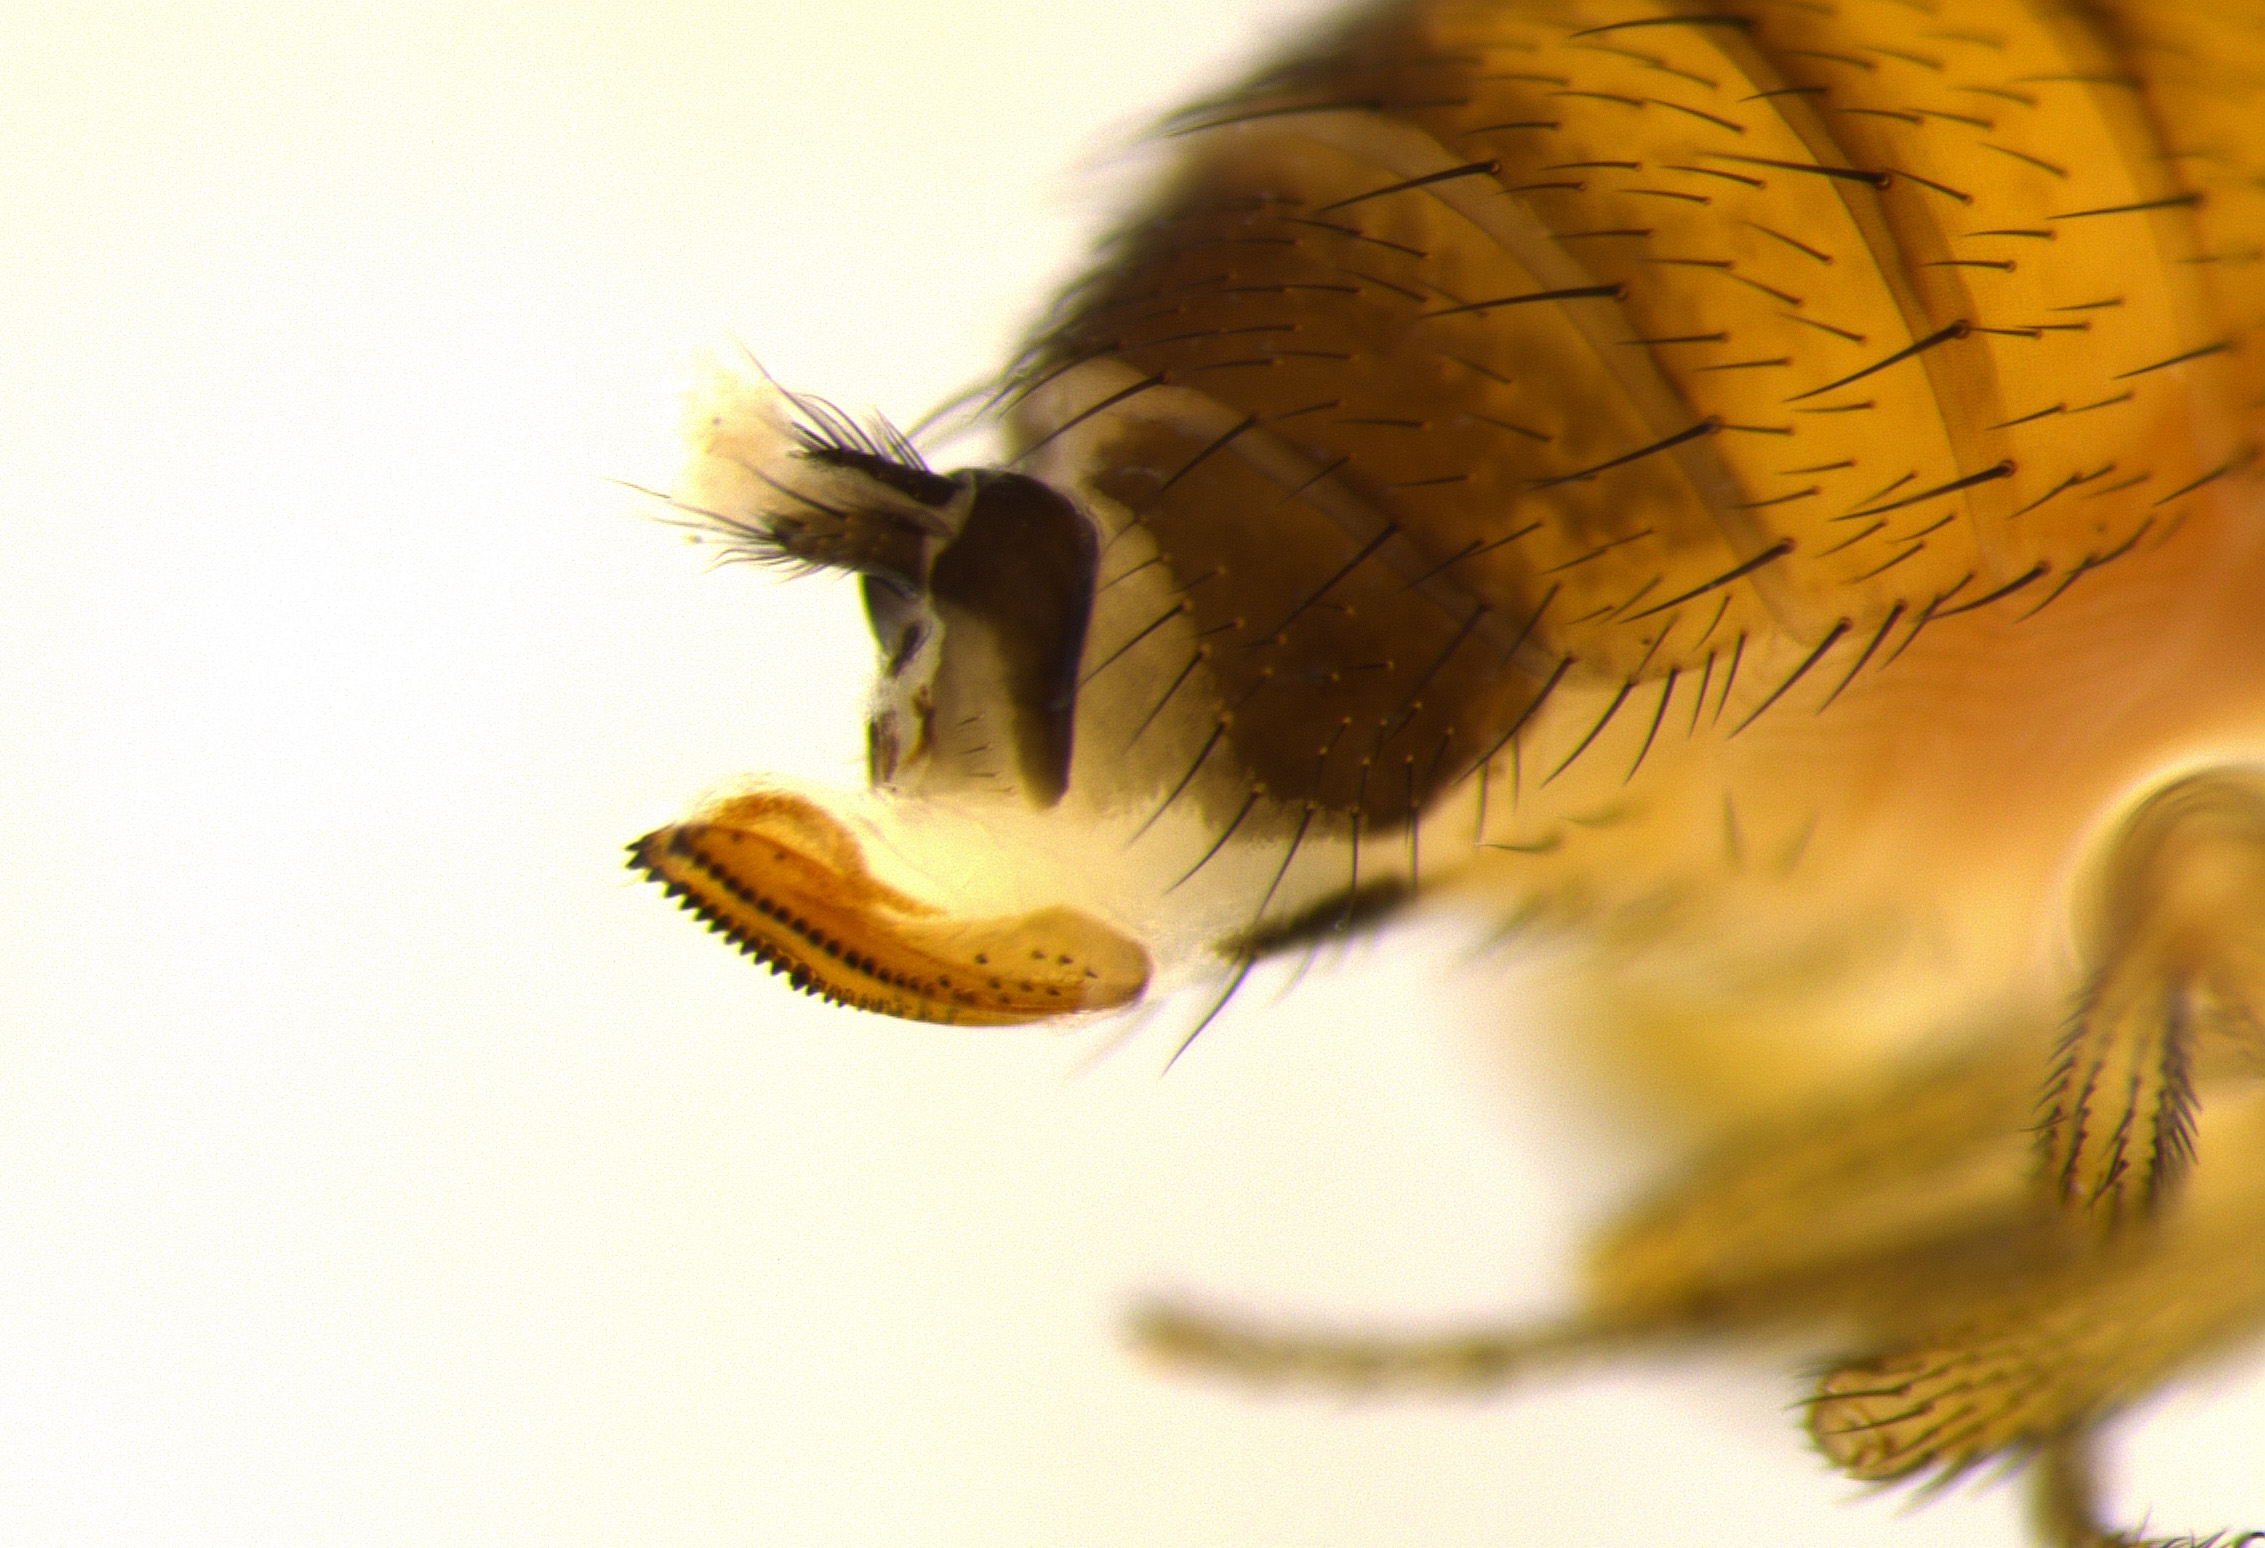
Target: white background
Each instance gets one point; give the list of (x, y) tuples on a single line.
[(378, 1163)]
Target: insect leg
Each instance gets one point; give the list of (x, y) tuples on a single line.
[(1881, 1204), (2178, 957), (1897, 1199), (2032, 1361), (2065, 1494), (1467, 1359)]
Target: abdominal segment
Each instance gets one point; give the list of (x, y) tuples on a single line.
[(1496, 355)]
